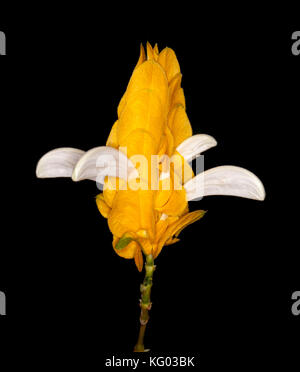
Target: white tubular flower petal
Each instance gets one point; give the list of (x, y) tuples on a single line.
[(101, 161), (195, 145), (58, 163), (225, 180)]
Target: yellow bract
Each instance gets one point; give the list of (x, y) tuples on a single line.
[(151, 121)]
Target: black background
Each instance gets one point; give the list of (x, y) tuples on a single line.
[(224, 291)]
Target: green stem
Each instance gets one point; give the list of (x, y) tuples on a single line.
[(145, 302)]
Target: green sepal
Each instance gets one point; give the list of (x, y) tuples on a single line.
[(123, 242)]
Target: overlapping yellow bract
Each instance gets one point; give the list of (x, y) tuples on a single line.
[(151, 121)]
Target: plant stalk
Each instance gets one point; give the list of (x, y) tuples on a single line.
[(145, 302)]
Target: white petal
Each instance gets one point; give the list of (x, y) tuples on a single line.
[(102, 161), (58, 163), (225, 180), (195, 145)]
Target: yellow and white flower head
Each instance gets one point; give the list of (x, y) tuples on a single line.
[(145, 166)]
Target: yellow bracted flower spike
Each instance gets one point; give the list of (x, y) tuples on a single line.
[(151, 121), (144, 169)]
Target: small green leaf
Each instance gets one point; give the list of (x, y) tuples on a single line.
[(123, 242)]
